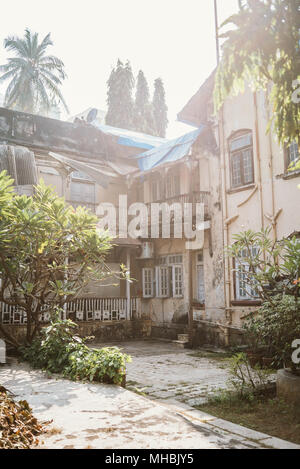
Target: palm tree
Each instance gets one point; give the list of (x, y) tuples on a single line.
[(35, 77)]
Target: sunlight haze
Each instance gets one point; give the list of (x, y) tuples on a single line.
[(171, 39)]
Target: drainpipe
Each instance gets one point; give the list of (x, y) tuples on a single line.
[(258, 160), (223, 184), (274, 225), (227, 272)]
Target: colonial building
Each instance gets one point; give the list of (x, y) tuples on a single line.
[(257, 187), (229, 166)]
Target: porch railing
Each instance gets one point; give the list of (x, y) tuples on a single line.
[(80, 309)]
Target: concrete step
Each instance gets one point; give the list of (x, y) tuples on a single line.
[(183, 337), (181, 343)]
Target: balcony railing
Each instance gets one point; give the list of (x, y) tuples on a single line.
[(192, 197), (80, 309)]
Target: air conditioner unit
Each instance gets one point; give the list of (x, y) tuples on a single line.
[(147, 250)]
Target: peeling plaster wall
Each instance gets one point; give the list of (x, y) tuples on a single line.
[(170, 315), (213, 252), (239, 113)]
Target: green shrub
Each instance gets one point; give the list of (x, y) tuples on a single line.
[(244, 379), (276, 326), (59, 350)]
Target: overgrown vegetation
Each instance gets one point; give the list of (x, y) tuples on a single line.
[(275, 327), (245, 380), (58, 349), (262, 48), (250, 400), (270, 270), (265, 413), (19, 429), (48, 253)]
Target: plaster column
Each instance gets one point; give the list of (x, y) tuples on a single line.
[(128, 284)]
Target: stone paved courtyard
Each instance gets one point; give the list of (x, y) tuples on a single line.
[(163, 371)]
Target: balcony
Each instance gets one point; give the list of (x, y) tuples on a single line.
[(192, 197)]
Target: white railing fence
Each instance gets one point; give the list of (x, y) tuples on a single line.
[(80, 309)]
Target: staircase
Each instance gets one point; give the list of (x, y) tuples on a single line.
[(182, 341)]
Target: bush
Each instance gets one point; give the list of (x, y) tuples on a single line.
[(277, 326), (59, 350), (244, 379)]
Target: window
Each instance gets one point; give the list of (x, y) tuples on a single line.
[(241, 160), (292, 154), (177, 259), (82, 192), (80, 175), (162, 282), (156, 189), (172, 185), (200, 279), (147, 283), (177, 281), (169, 276), (244, 291)]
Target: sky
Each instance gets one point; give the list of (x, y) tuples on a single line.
[(171, 39)]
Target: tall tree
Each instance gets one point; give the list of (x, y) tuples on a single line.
[(143, 111), (264, 48), (160, 109), (35, 77), (120, 96)]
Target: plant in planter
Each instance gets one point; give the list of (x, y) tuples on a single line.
[(271, 270)]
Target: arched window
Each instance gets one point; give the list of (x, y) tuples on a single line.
[(241, 159)]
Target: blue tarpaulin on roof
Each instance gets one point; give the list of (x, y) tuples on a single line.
[(172, 150), (130, 138)]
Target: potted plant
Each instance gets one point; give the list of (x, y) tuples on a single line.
[(272, 270)]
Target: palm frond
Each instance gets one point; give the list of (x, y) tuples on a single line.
[(55, 92), (34, 76), (43, 45), (17, 45)]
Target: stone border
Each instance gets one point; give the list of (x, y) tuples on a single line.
[(213, 424)]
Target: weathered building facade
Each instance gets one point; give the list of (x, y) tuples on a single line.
[(257, 187), (230, 165)]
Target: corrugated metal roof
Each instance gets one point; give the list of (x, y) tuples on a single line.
[(171, 151), (101, 175), (130, 138)]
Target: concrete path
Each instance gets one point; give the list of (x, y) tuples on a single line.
[(109, 417)]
